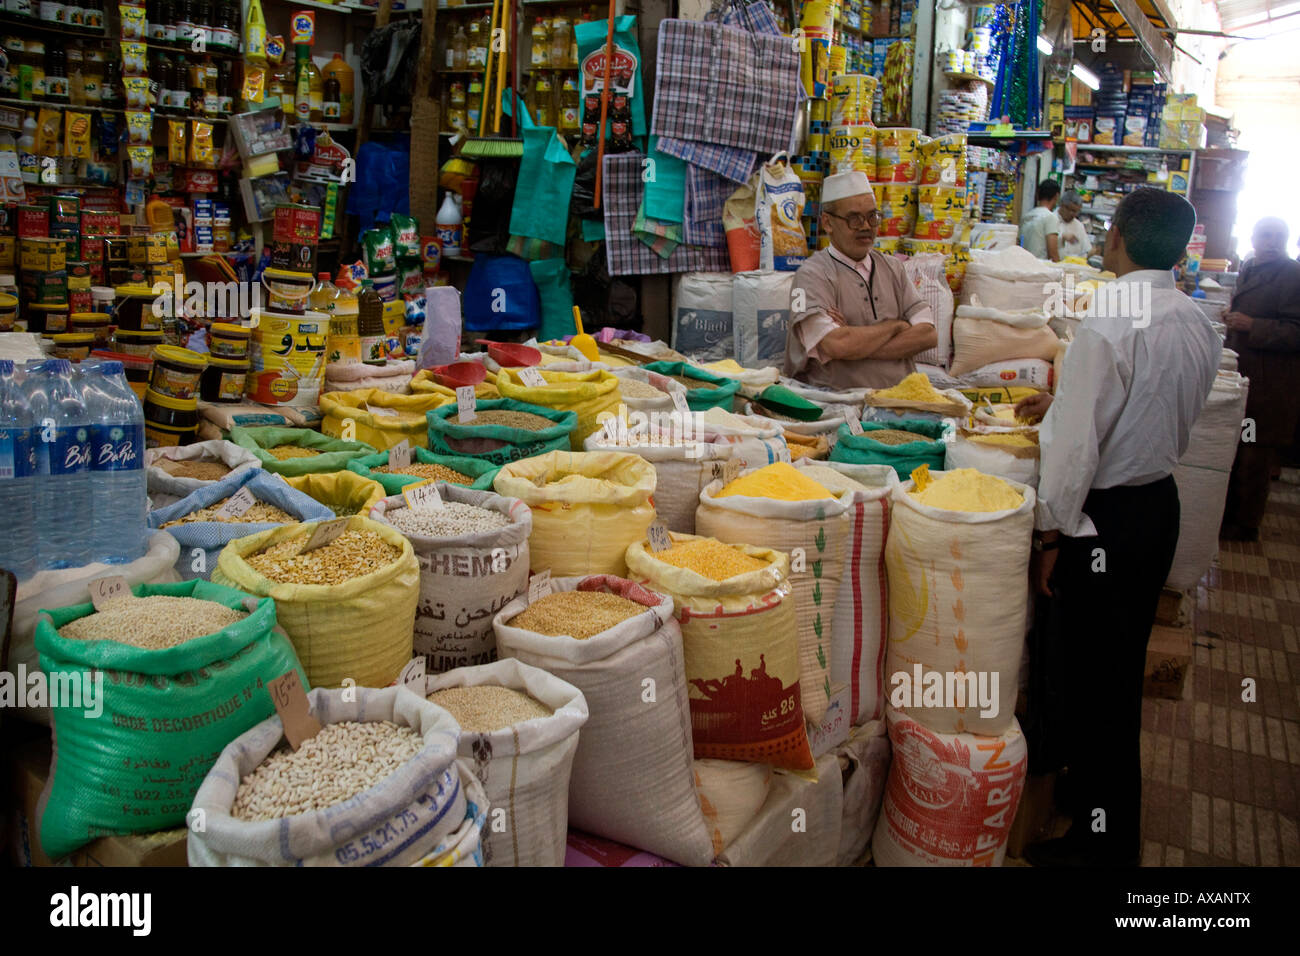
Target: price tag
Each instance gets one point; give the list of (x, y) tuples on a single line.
[(291, 704), (422, 498), (412, 675), (466, 404), (680, 403), (854, 423), (731, 470), (539, 585), (658, 535), (381, 411), (531, 377), (399, 456), (325, 532), (236, 504), (103, 590)]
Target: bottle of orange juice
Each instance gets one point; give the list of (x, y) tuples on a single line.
[(338, 69)]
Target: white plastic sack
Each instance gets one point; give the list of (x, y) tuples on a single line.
[(632, 780), (440, 339), (1019, 465), (394, 376), (771, 839), (926, 272), (982, 336), (524, 768), (958, 604), (950, 799), (1032, 373), (702, 316), (760, 303), (165, 489), (826, 396), (423, 799), (731, 794), (994, 236), (864, 767)]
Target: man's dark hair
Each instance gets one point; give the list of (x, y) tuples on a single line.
[(1048, 189), (1155, 226)]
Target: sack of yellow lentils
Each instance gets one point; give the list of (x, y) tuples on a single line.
[(587, 508), (780, 507), (380, 418), (586, 394)]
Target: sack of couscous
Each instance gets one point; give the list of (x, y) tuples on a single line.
[(915, 398)]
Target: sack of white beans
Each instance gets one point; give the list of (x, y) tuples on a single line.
[(632, 778), (148, 692), (473, 557), (523, 765), (380, 785)]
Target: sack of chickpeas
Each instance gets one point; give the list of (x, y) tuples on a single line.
[(473, 557), (348, 605), (632, 779), (164, 676), (378, 785), (519, 728)]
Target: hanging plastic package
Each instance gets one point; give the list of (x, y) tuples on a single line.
[(778, 210), (501, 294)]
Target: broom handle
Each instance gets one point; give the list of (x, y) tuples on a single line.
[(486, 102), (516, 121), (604, 103)]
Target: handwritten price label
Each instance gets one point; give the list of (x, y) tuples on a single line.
[(539, 585), (531, 377), (325, 532), (399, 456), (466, 404), (412, 675), (103, 590), (423, 499), (680, 403), (237, 504), (291, 704), (659, 537), (851, 419)]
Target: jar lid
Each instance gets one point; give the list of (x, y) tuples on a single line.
[(90, 318), (73, 338), (179, 356), (231, 330), (48, 306), (230, 363), (175, 404), (140, 333)]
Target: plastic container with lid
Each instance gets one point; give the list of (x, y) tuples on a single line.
[(227, 340), (137, 342), (223, 380), (51, 319), (287, 291), (96, 323), (176, 372), (164, 436), (74, 346), (170, 412)]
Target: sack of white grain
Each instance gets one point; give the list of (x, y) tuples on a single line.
[(1202, 475), (472, 564), (382, 787), (864, 764), (1009, 279), (731, 793), (632, 780), (644, 391), (347, 605), (178, 470), (1007, 453), (523, 765), (165, 680), (982, 336), (587, 508), (951, 798), (861, 608), (958, 564), (756, 442), (815, 530)]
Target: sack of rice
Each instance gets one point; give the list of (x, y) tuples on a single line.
[(519, 732), (178, 470), (587, 508), (586, 394), (348, 605), (737, 617), (703, 389), (731, 793), (342, 492), (202, 529), (473, 557), (982, 336), (298, 451), (503, 430), (780, 507), (951, 798), (425, 466), (378, 785), (864, 765), (903, 445), (914, 398), (163, 677), (379, 418), (862, 605), (958, 564), (619, 644)]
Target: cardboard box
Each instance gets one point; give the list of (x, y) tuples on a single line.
[(1169, 610), (42, 254), (834, 727), (1169, 658)]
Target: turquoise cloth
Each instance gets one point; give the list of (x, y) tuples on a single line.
[(665, 185)]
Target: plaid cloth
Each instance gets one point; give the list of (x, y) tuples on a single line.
[(660, 237), (706, 194), (728, 162), (734, 86), (625, 254)]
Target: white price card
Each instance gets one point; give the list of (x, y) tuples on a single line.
[(539, 585), (531, 377), (659, 537), (325, 532), (852, 420), (103, 590), (422, 498), (412, 675), (466, 404), (680, 403), (237, 504), (399, 456)]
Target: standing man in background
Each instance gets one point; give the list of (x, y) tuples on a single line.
[(1040, 229), (1107, 523), (1074, 240), (1264, 330)]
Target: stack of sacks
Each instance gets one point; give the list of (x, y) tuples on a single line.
[(1009, 279), (392, 376), (914, 399), (996, 443), (218, 418), (990, 342), (958, 560)]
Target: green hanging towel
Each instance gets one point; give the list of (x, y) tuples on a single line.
[(545, 182), (551, 276), (665, 185)]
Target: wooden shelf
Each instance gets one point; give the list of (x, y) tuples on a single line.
[(50, 27), (96, 108)]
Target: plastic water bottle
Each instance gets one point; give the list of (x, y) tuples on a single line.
[(17, 477), (64, 496), (117, 532)]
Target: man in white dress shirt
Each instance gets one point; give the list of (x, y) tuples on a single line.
[(1073, 239), (1107, 524)]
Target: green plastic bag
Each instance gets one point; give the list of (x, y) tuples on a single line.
[(335, 453), (701, 399), (544, 185), (930, 446), (499, 444), (481, 471), (166, 715), (551, 277)]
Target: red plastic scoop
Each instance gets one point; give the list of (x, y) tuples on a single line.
[(512, 355), (459, 374)]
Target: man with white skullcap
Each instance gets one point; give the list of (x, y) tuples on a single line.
[(856, 320)]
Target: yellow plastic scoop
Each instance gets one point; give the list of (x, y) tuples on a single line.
[(583, 342)]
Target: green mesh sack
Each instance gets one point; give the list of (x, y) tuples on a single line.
[(498, 444), (480, 470)]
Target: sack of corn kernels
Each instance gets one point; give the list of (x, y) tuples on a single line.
[(632, 780), (471, 566), (348, 605), (523, 761), (951, 798), (263, 804), (864, 765), (162, 682)]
